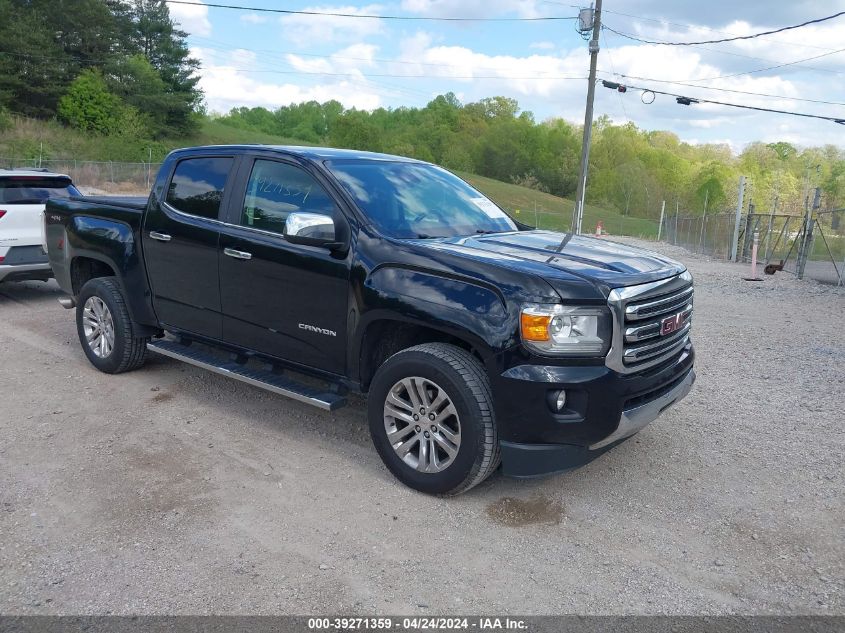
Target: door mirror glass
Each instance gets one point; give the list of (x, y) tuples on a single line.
[(313, 229)]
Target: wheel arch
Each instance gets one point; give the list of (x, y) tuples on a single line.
[(83, 268), (384, 336)]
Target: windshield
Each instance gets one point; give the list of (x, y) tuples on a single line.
[(417, 200), (34, 189)]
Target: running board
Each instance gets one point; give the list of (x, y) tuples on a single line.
[(264, 379)]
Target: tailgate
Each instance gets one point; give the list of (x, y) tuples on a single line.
[(20, 224)]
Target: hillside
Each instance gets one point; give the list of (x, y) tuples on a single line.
[(555, 213), (29, 139), (59, 146)]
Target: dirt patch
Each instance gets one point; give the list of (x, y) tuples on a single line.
[(162, 396), (513, 512)]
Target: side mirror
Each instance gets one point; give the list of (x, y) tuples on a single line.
[(311, 229)]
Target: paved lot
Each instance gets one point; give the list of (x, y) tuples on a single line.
[(171, 490)]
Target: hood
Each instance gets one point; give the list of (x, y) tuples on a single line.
[(609, 264)]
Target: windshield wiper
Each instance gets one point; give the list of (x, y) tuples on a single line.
[(485, 231)]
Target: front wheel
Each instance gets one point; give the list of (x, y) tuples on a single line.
[(106, 330), (431, 419)]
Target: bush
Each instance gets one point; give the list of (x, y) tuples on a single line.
[(88, 105)]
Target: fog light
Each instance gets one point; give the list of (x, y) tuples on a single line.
[(557, 400)]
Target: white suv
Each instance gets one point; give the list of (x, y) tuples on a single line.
[(22, 197)]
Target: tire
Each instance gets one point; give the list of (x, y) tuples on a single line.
[(100, 307), (433, 370)]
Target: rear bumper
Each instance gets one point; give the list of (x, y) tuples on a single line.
[(603, 408), (22, 272)]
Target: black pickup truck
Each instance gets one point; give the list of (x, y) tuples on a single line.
[(314, 272)]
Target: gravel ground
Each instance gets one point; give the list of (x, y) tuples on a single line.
[(171, 490)]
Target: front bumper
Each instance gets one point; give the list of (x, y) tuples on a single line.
[(603, 409)]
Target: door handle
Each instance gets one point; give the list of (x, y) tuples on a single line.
[(161, 237), (231, 252)]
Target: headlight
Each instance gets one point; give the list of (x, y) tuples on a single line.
[(565, 330)]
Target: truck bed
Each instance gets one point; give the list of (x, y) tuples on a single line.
[(126, 209), (125, 202)]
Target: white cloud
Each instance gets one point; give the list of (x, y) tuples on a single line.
[(228, 85), (306, 30), (193, 18), (349, 59), (253, 18), (471, 8)]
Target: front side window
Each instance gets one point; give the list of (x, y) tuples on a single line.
[(197, 186), (418, 200), (275, 190), (35, 189)]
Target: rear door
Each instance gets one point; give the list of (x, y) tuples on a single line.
[(180, 240), (282, 299), (22, 201)]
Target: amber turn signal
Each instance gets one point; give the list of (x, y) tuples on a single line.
[(535, 327)]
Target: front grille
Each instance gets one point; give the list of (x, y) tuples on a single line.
[(662, 390), (639, 339)]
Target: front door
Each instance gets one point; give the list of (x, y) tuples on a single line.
[(180, 239), (281, 299)]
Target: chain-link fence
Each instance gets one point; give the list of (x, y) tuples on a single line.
[(709, 234), (825, 259), (811, 244), (95, 176)]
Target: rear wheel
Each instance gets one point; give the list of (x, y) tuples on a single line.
[(105, 329), (431, 419)]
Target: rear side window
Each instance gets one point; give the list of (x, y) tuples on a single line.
[(197, 186), (34, 189)]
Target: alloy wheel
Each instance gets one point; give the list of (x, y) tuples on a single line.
[(422, 424)]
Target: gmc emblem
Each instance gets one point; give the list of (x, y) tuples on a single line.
[(672, 324)]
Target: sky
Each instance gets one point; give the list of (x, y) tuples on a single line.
[(253, 58)]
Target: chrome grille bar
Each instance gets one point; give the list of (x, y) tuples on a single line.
[(666, 305), (652, 329), (664, 345)]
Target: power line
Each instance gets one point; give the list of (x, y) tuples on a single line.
[(369, 16), (742, 92), (687, 26), (760, 70), (365, 75), (224, 46), (731, 39), (745, 72), (721, 51), (613, 68), (231, 47), (684, 100), (704, 28), (750, 72)]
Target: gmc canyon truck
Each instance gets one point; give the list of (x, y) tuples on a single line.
[(314, 272)]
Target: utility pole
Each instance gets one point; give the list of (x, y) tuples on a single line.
[(660, 226), (703, 221), (807, 242), (735, 239), (578, 214)]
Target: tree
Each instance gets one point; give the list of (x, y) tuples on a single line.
[(139, 85), (89, 105), (31, 80), (166, 49)]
